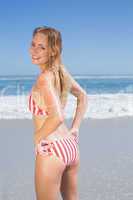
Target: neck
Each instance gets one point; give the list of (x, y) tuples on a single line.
[(44, 66)]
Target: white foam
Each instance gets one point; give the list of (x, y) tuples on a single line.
[(103, 76), (100, 106)]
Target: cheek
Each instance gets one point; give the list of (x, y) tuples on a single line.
[(44, 55), (43, 58)]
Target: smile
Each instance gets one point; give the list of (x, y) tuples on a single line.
[(35, 58)]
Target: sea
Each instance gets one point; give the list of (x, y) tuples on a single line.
[(109, 96)]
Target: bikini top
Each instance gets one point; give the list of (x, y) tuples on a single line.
[(34, 108)]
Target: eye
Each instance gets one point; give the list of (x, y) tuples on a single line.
[(42, 47)]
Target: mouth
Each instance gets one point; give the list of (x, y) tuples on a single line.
[(35, 58)]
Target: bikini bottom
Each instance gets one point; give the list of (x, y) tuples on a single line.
[(66, 149)]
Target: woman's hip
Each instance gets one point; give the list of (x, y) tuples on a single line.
[(66, 148)]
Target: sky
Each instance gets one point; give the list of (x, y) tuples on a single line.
[(97, 35)]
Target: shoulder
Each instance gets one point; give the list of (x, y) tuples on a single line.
[(44, 78)]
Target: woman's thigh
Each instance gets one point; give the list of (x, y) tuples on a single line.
[(48, 174), (69, 182)]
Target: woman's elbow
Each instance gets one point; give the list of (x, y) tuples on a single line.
[(60, 118)]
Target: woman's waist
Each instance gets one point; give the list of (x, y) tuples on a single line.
[(56, 137), (60, 132)]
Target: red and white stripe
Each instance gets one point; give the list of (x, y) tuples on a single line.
[(35, 108), (65, 148)]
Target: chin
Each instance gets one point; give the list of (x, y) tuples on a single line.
[(36, 62)]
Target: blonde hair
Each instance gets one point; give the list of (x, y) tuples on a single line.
[(62, 80)]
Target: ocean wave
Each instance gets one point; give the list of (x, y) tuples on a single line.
[(103, 76), (100, 106), (31, 77), (127, 89)]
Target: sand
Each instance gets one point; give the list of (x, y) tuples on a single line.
[(106, 159)]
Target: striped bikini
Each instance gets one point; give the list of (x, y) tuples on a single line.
[(64, 148), (34, 109)]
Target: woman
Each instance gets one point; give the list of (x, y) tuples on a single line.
[(56, 147)]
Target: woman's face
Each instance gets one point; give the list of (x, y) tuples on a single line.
[(39, 49)]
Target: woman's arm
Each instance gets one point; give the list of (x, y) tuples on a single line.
[(82, 102), (55, 115)]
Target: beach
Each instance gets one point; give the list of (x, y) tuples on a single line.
[(106, 159)]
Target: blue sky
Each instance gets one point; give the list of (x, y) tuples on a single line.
[(97, 35)]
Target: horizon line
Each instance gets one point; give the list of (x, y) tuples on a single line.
[(108, 74)]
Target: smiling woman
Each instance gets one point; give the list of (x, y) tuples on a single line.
[(38, 51), (56, 147)]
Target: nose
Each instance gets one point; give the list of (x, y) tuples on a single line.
[(34, 50)]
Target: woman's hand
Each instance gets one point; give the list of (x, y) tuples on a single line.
[(74, 131)]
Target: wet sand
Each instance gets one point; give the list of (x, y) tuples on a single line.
[(106, 159)]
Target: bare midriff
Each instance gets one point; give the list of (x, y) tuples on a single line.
[(60, 132)]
